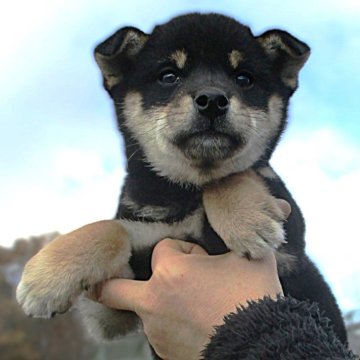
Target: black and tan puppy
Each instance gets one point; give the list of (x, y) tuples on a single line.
[(201, 103)]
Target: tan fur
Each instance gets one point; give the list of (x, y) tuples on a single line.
[(155, 128), (273, 42), (180, 57), (268, 172), (244, 214), (235, 57), (55, 276), (70, 264)]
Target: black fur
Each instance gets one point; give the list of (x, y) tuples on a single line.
[(261, 331), (137, 61)]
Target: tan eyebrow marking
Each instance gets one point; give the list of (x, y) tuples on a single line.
[(235, 56), (179, 56)]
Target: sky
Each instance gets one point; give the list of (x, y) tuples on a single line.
[(61, 158)]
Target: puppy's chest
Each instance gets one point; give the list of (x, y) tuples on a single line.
[(152, 225), (147, 225)]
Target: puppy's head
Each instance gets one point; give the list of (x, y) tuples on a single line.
[(201, 96)]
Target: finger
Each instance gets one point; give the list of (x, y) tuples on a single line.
[(166, 249), (285, 207), (123, 294)]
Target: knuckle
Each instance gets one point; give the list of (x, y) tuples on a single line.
[(161, 246)]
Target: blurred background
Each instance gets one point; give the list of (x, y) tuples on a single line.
[(62, 163)]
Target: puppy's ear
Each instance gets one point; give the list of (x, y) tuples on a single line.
[(116, 52), (287, 53)]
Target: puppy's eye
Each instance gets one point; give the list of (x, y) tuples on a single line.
[(244, 80), (169, 78)]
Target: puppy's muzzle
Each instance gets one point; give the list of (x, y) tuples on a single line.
[(212, 103)]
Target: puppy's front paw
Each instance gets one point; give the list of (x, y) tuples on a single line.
[(244, 214), (55, 276), (46, 288), (257, 234)]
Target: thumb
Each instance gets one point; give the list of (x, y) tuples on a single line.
[(123, 294)]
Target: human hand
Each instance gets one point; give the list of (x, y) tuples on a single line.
[(189, 293)]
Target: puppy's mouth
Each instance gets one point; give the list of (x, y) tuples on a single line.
[(209, 146)]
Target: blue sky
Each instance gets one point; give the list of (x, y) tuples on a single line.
[(60, 154)]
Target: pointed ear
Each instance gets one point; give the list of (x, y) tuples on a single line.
[(288, 54), (116, 52)]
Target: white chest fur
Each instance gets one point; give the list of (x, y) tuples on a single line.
[(145, 234)]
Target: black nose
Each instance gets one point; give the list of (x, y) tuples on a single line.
[(212, 103)]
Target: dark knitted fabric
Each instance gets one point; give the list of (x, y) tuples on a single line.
[(283, 329)]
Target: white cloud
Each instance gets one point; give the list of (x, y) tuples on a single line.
[(77, 190), (77, 165), (322, 170)]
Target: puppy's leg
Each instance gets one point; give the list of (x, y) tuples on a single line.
[(244, 214), (71, 263), (104, 323)]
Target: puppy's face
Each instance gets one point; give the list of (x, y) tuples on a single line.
[(201, 95)]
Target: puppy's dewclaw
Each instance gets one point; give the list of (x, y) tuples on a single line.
[(70, 264), (244, 214)]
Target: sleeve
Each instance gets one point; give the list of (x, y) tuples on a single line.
[(276, 329)]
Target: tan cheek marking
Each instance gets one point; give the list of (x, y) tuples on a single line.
[(275, 107), (235, 57), (150, 127), (244, 118), (133, 109), (180, 57), (181, 111)]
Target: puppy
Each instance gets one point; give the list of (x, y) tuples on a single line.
[(201, 103)]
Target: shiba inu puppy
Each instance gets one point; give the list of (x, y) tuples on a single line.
[(201, 103)]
